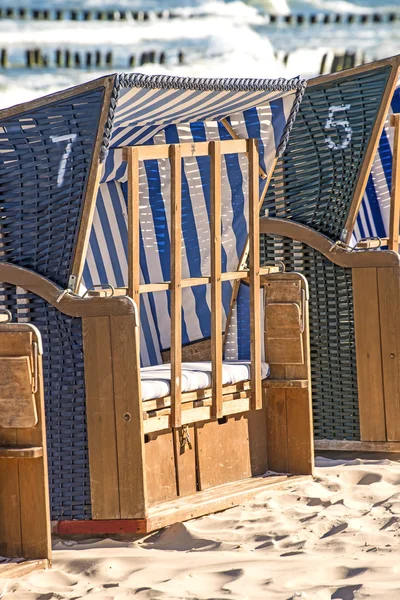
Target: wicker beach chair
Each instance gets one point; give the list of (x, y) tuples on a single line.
[(117, 188), (319, 182)]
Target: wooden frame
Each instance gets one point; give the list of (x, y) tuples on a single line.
[(129, 492), (376, 297), (169, 495), (175, 153), (24, 491)]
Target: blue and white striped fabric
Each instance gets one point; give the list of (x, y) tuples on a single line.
[(157, 116), (237, 344), (374, 213)]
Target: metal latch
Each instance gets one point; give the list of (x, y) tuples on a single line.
[(185, 439)]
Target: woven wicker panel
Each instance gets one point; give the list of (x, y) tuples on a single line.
[(332, 337), (45, 156), (64, 389), (315, 179)]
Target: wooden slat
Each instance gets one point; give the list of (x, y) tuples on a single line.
[(128, 413), (356, 446), (195, 414), (17, 401), (100, 410), (254, 276), (21, 452), (156, 424), (34, 485), (163, 407), (89, 205), (185, 459), (24, 502), (14, 570), (277, 433), (176, 288), (133, 225), (369, 355), (234, 388), (288, 393), (299, 431), (389, 313), (215, 499), (188, 282), (223, 452), (188, 149), (394, 222), (145, 288), (194, 281), (234, 275), (372, 146), (160, 467), (216, 285), (10, 518)]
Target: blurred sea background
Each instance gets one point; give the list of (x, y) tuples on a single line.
[(204, 38)]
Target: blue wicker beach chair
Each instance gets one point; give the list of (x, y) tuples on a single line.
[(142, 194)]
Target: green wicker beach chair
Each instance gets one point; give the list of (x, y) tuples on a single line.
[(319, 182)]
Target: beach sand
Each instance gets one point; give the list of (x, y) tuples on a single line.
[(336, 537)]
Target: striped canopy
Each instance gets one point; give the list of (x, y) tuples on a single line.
[(374, 213), (169, 110)]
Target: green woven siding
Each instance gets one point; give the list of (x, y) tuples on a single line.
[(313, 183), (332, 338)]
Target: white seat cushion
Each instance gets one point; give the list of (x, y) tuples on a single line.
[(156, 380)]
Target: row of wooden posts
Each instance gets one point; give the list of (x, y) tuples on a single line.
[(332, 62), (77, 14), (89, 59), (334, 18)]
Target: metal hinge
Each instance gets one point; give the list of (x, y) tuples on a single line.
[(72, 282)]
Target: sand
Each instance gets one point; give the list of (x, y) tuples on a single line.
[(336, 537)]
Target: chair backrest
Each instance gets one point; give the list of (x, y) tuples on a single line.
[(319, 179), (46, 150)]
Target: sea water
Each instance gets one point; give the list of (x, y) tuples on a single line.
[(216, 38)]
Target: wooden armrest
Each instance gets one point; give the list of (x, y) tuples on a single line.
[(336, 254)]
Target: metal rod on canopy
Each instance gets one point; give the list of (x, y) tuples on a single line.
[(176, 285), (216, 283)]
